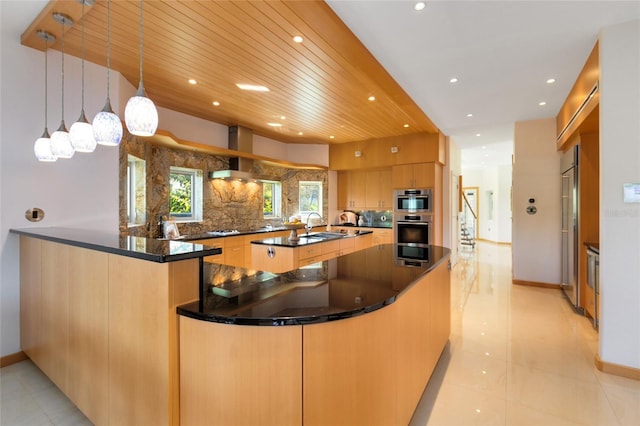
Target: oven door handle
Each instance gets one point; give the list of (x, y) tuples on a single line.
[(413, 222)]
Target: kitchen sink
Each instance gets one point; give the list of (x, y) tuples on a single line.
[(323, 235)]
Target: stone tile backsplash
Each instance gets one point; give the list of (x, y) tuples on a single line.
[(226, 204)]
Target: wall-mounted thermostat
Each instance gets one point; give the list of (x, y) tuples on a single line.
[(34, 215), (632, 192)]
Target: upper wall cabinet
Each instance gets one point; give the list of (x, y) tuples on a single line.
[(414, 176), (387, 152), (581, 102), (360, 190)]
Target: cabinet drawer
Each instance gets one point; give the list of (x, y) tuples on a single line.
[(309, 251)]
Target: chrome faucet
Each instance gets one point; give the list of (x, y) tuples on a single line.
[(307, 226)]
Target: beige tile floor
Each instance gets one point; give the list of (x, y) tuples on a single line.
[(517, 356)]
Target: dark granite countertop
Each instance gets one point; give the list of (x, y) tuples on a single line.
[(142, 248), (265, 230), (307, 240), (344, 287)]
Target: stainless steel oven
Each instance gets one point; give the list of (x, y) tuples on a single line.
[(413, 229), (413, 200)]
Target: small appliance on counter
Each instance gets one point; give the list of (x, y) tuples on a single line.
[(346, 218)]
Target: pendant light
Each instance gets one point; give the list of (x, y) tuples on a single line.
[(140, 114), (42, 147), (81, 132), (107, 127), (60, 142)]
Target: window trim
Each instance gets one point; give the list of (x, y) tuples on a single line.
[(196, 176), (276, 199)]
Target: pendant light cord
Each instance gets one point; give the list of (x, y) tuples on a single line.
[(141, 11), (62, 50), (82, 105), (108, 44), (46, 50)]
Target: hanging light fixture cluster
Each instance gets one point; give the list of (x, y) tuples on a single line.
[(141, 116)]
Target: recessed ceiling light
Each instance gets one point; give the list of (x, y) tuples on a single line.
[(192, 81), (551, 80), (274, 124), (477, 134), (300, 133), (419, 5), (453, 80), (252, 87), (372, 98), (332, 137), (406, 125), (298, 39), (282, 117), (484, 147), (469, 115), (215, 103), (542, 103)]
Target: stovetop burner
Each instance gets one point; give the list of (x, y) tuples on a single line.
[(223, 232)]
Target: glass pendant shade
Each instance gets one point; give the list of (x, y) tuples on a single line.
[(81, 135), (140, 114), (42, 148), (107, 127), (61, 143)]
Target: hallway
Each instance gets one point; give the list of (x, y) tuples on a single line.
[(519, 356)]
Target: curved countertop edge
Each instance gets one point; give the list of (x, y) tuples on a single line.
[(192, 310), (281, 321), (158, 251)]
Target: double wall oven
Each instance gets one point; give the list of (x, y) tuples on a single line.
[(413, 222)]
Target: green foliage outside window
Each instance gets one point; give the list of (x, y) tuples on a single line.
[(181, 195), (267, 206)]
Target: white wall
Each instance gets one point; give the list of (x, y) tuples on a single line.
[(503, 198), (619, 222), (536, 174), (81, 192), (450, 214)]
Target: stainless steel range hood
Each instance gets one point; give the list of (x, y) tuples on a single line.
[(240, 139)]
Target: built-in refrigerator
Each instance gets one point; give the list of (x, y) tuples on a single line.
[(569, 172)]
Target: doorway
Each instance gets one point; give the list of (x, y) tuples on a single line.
[(470, 210)]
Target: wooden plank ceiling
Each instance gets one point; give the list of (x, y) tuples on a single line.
[(321, 86)]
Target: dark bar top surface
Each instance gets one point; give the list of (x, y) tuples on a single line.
[(344, 287), (142, 248)]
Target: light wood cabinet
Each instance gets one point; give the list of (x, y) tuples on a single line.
[(365, 189), (420, 175), (379, 192), (103, 327), (351, 190), (223, 368), (382, 236), (372, 369), (234, 251), (280, 259), (217, 243)]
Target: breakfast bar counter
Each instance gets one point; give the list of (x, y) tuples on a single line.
[(349, 340), (98, 317)]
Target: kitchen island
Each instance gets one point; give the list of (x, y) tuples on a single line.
[(349, 340), (97, 313)]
